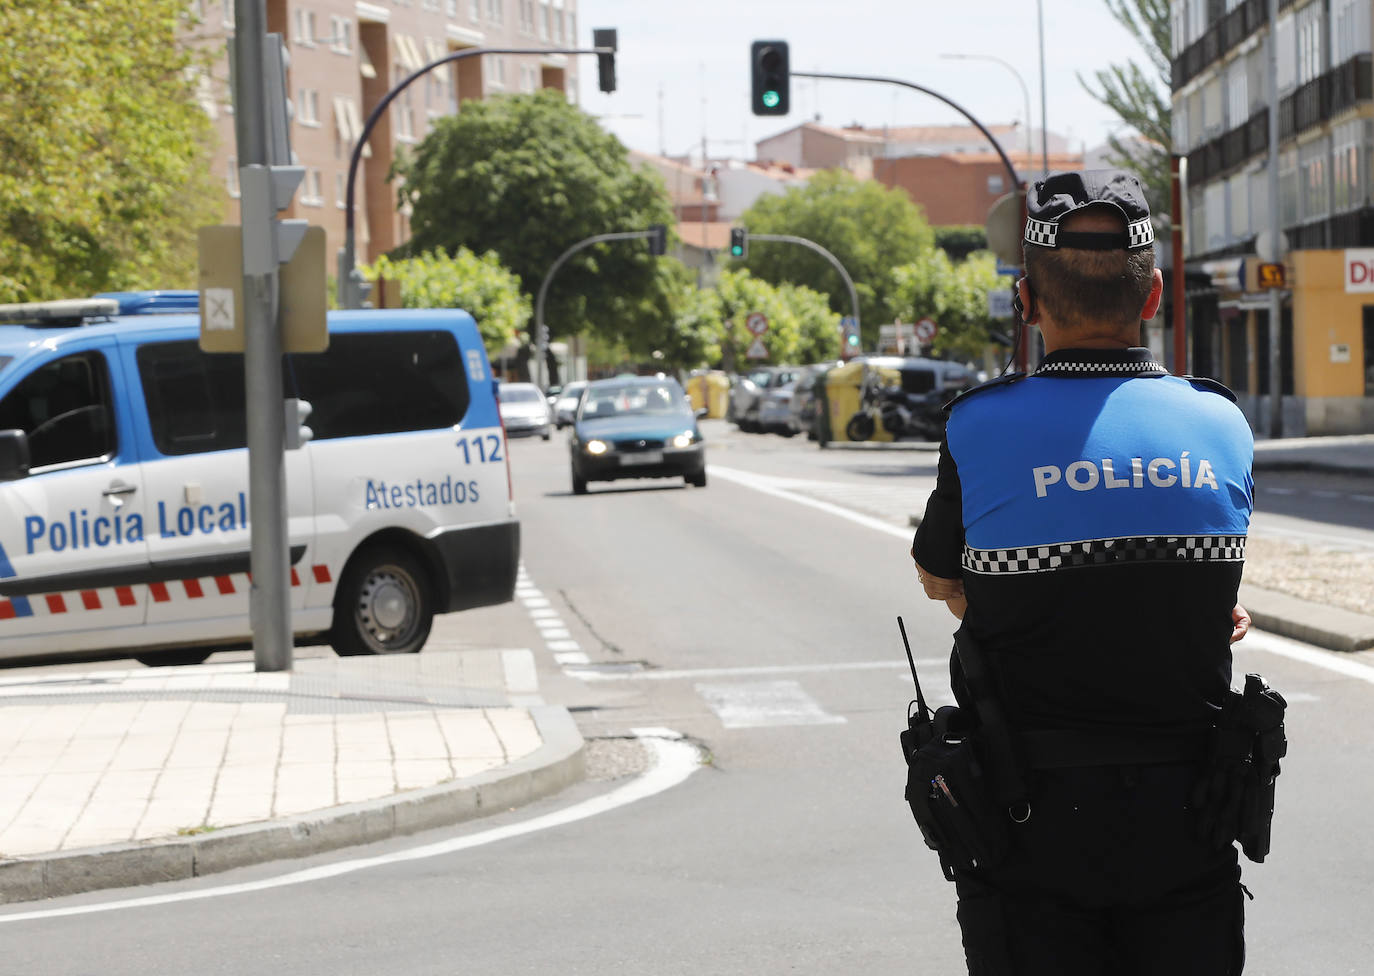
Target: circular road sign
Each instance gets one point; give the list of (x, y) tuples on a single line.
[(925, 330), (756, 323)]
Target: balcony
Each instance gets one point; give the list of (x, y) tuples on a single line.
[(1225, 32), (1230, 150), (1317, 101)]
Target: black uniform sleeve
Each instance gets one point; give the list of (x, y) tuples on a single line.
[(939, 544)]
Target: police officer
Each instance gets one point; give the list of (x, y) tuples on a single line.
[(1088, 526)]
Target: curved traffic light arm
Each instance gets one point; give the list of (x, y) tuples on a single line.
[(347, 296), (848, 281)]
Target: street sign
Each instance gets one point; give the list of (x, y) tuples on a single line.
[(999, 303), (757, 350), (925, 330), (1271, 276), (756, 323), (302, 287), (1005, 226)]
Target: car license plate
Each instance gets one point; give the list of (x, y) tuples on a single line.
[(645, 457)]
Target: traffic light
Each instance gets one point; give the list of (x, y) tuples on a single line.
[(772, 78), (739, 242), (605, 63), (658, 240)]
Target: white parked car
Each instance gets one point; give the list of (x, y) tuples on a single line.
[(524, 410), (565, 407)]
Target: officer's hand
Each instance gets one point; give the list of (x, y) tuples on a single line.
[(1240, 621), (938, 587)]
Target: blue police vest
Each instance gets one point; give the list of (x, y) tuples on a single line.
[(1056, 472)]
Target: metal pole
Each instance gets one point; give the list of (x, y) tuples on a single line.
[(1275, 230), (848, 281), (1180, 317), (1025, 92), (541, 334), (269, 602), (349, 293), (1044, 112)]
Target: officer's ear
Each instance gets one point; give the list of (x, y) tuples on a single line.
[(1156, 296), (1025, 302)]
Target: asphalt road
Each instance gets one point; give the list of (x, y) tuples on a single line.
[(758, 619)]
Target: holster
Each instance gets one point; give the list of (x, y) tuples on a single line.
[(1235, 799), (950, 794)]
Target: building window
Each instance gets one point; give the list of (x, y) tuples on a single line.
[(560, 27), (341, 190), (308, 107), (1238, 202), (310, 189), (474, 10), (1177, 40), (496, 12), (995, 183), (1178, 126), (341, 35), (1312, 167), (1350, 29), (231, 177), (1350, 152), (305, 27), (542, 21), (1288, 188), (228, 19), (1309, 30), (1259, 197), (1287, 54), (405, 117), (1237, 94), (1214, 202)]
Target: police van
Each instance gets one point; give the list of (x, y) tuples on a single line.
[(124, 481)]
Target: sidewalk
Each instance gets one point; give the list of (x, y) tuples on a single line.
[(119, 778)]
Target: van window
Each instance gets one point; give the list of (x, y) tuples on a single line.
[(195, 399), (382, 383), (918, 380), (65, 408)]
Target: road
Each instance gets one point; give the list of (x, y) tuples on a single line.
[(757, 618)]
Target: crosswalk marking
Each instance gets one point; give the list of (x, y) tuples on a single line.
[(759, 704)]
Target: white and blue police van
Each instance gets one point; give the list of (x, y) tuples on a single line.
[(124, 481)]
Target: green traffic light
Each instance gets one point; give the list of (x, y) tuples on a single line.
[(736, 251), (770, 99)]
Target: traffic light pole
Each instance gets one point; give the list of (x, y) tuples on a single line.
[(541, 334), (350, 280), (848, 281)]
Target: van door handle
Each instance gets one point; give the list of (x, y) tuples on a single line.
[(116, 492)]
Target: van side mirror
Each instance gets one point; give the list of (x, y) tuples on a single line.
[(14, 455), (702, 411)]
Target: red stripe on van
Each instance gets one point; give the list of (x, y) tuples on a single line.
[(159, 591), (55, 603), (225, 584), (90, 599), (6, 610), (193, 589), (295, 577), (125, 595), (321, 574)]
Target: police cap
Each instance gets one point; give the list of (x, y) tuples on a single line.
[(1052, 199)]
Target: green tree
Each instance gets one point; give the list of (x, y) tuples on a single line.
[(528, 176), (1140, 98), (868, 227), (104, 162), (478, 284), (954, 295), (801, 326), (961, 240), (819, 327)]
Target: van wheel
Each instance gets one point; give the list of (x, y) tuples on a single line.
[(383, 605), (173, 659), (579, 484), (697, 480)]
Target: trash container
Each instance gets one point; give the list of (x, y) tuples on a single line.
[(843, 386), (711, 390)]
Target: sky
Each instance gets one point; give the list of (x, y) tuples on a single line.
[(683, 66)]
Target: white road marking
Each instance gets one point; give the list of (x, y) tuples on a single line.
[(773, 486), (549, 623), (760, 704), (521, 676), (674, 760), (571, 657), (564, 645), (559, 634), (591, 674), (540, 613), (1337, 661), (535, 602)]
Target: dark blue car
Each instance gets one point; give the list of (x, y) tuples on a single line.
[(636, 427)]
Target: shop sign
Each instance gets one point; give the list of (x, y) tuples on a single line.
[(1359, 269)]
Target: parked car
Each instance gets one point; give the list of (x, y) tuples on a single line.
[(804, 406), (747, 394), (635, 427), (565, 405), (524, 410), (775, 410)]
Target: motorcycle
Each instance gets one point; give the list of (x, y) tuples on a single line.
[(902, 414)]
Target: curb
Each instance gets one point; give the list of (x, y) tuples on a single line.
[(1298, 464), (1333, 628), (557, 763)]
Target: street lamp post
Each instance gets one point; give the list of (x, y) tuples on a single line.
[(1025, 92)]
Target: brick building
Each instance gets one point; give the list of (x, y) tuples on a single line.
[(344, 57), (959, 188)]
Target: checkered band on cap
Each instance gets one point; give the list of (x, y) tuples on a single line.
[(1041, 232), (1105, 552), (1139, 233)]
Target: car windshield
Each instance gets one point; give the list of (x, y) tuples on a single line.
[(520, 394), (631, 400)]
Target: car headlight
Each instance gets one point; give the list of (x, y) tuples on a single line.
[(684, 439), (597, 447)]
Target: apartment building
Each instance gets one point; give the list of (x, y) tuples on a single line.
[(1221, 92), (345, 55)]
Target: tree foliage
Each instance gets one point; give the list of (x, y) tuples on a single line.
[(961, 240), (867, 226), (478, 284), (954, 295), (1140, 98), (104, 173), (801, 326), (528, 176)]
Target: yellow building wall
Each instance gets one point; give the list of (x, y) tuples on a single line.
[(1323, 316)]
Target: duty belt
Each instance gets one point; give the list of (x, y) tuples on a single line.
[(1067, 748)]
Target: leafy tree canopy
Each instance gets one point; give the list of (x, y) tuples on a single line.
[(868, 227), (528, 176), (104, 173), (801, 327), (961, 240), (954, 295), (477, 284)]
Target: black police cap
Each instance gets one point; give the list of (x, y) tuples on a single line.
[(1052, 199)]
